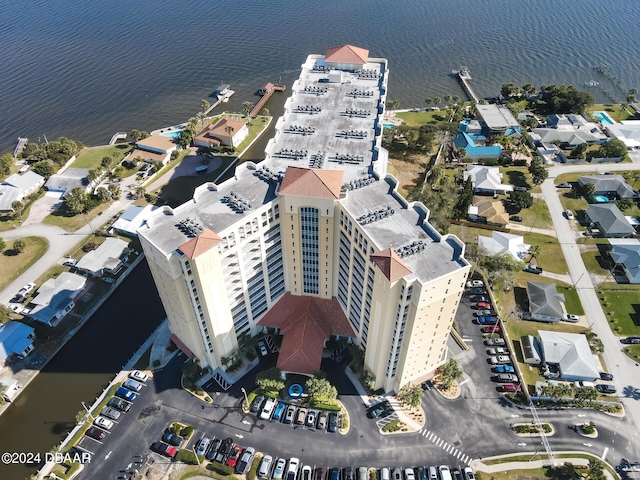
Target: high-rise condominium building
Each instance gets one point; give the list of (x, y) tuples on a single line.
[(314, 242)]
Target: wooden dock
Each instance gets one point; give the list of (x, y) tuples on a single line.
[(463, 75), (223, 96), (266, 92), (22, 142)]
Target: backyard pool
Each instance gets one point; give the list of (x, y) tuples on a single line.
[(172, 135), (604, 118), (599, 199)]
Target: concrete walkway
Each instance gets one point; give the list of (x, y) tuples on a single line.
[(524, 228)]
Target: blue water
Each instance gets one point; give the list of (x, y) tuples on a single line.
[(172, 135), (600, 199), (604, 118), (88, 69)]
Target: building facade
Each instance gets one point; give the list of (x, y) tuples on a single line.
[(319, 217)]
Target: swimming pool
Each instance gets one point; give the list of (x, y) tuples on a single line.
[(388, 125), (599, 199), (172, 135), (604, 118)]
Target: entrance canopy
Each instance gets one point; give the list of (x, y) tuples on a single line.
[(305, 323)]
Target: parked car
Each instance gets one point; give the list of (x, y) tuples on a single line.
[(563, 185), (409, 474), (111, 413), (445, 474), (224, 450), (245, 460), (278, 471), (235, 456), (347, 473), (311, 418), (203, 445), (267, 409), (26, 289), (485, 313), (510, 388), (380, 410), (213, 449), (291, 412), (421, 473), (279, 411), (475, 283), (333, 422), (494, 342), (569, 214), (263, 348), (606, 376), (172, 439), (491, 329), (483, 305), (132, 385), (265, 466), (520, 189), (318, 474), (606, 389), (306, 472), (468, 474), (119, 403), (138, 376), (479, 298), (487, 320), (126, 394), (164, 449), (632, 340), (334, 474), (478, 291), (256, 404), (499, 359), (292, 468), (503, 369), (103, 422), (515, 218), (507, 378), (322, 421), (568, 317), (96, 433), (532, 269), (456, 474), (302, 415)]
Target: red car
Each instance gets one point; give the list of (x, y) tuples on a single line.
[(483, 305), (510, 387), (235, 455), (164, 449), (96, 433), (491, 329)]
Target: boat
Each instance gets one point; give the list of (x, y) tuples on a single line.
[(591, 83)]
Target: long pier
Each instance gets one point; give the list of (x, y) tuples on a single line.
[(463, 75), (266, 92), (22, 142)]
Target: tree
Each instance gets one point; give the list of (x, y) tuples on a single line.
[(103, 195), (584, 190), (320, 390), (270, 379), (6, 161), (449, 373), (437, 101), (247, 107), (94, 174), (624, 204), (44, 168), (82, 416), (18, 246), (115, 191), (18, 208), (264, 111), (528, 88), (106, 162), (428, 101), (5, 316), (455, 99), (501, 269), (138, 135), (534, 251), (229, 129), (509, 90), (464, 201), (538, 173), (412, 396), (447, 99), (596, 470), (186, 135), (564, 99), (520, 200), (75, 201), (393, 104), (579, 151), (139, 191), (614, 148), (204, 105)]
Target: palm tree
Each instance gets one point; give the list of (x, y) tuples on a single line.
[(139, 191), (428, 101), (229, 129), (534, 251), (437, 101), (247, 107), (456, 99), (204, 105), (447, 99), (201, 117)]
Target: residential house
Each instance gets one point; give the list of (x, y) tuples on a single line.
[(628, 131), (614, 187), (132, 219), (489, 211), (486, 180), (68, 180), (11, 388), (609, 221), (627, 256), (16, 339), (569, 130), (16, 187), (55, 298), (568, 355), (545, 303), (226, 131), (107, 258), (501, 242), (154, 148), (498, 120)]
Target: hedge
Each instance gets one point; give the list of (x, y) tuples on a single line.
[(220, 468), (188, 457)]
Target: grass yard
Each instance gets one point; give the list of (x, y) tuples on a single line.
[(537, 215), (529, 474), (594, 263), (614, 111), (14, 264), (70, 222), (469, 234), (633, 351), (572, 301), (551, 258), (416, 119), (90, 157), (622, 309)]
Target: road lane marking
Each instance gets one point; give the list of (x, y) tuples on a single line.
[(464, 381), (604, 454)]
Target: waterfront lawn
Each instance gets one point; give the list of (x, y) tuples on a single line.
[(417, 119), (91, 157), (68, 221), (14, 264), (616, 112), (622, 309)]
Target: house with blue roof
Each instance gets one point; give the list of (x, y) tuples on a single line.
[(627, 256), (493, 120), (16, 339)]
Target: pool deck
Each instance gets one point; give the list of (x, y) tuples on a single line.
[(600, 114)]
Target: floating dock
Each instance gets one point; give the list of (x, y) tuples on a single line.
[(223, 94), (266, 92), (22, 142), (464, 75)]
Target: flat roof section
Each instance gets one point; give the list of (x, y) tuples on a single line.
[(497, 117)]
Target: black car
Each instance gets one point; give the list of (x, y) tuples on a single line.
[(479, 298), (225, 450), (172, 439), (333, 422), (532, 269), (606, 376), (257, 403), (515, 218), (347, 473), (563, 185), (119, 403), (213, 449), (606, 389), (478, 291), (633, 340), (381, 410), (96, 433)]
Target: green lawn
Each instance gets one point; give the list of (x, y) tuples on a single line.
[(633, 351), (416, 119), (572, 301), (593, 263), (614, 111), (90, 157), (537, 215), (70, 222), (551, 258), (622, 309), (520, 177), (13, 264)]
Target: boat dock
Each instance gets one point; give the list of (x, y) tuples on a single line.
[(118, 136), (22, 142), (266, 92), (223, 94), (464, 75)]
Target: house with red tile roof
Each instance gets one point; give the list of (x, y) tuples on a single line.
[(225, 131)]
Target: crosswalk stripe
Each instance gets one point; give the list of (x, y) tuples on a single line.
[(431, 435), (440, 442), (425, 433), (420, 431), (458, 454)]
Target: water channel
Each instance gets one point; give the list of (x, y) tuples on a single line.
[(45, 412)]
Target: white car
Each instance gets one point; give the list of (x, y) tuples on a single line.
[(445, 474), (292, 469), (468, 473), (499, 360), (265, 466), (475, 283), (14, 307), (567, 317), (263, 349), (279, 470), (569, 214), (132, 385), (408, 474), (138, 376), (25, 311), (103, 422), (267, 410)]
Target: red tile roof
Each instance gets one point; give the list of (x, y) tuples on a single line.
[(311, 182), (200, 244), (391, 264), (347, 54), (218, 130), (305, 322), (156, 141)]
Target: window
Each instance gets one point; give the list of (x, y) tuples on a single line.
[(309, 236)]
